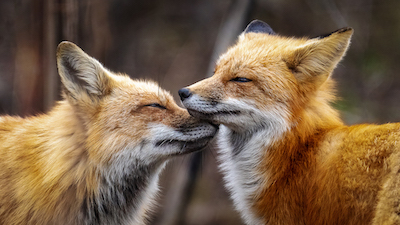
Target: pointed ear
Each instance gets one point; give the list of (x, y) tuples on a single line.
[(83, 77), (317, 58), (258, 26)]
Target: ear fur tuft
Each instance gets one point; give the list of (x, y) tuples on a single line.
[(318, 57)]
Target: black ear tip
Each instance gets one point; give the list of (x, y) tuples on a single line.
[(342, 30), (258, 26)]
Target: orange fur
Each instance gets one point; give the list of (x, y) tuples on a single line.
[(95, 157), (286, 156)]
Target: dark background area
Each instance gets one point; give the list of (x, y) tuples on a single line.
[(174, 42)]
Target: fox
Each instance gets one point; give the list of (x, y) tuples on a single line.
[(96, 157), (285, 154)]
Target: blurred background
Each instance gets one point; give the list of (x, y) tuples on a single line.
[(176, 42)]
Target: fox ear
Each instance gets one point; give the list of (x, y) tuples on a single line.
[(258, 26), (82, 76), (317, 58)]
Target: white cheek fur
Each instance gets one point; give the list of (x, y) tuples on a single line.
[(237, 114)]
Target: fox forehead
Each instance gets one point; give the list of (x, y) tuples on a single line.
[(142, 91), (257, 49), (125, 112), (260, 57)]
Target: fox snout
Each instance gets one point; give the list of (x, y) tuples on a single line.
[(192, 104)]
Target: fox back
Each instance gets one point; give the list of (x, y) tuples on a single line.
[(96, 156), (286, 156)]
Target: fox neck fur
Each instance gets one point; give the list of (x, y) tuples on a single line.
[(277, 145), (80, 201)]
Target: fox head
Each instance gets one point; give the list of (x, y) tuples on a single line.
[(125, 118), (267, 80)]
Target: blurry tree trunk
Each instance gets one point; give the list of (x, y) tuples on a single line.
[(36, 82), (96, 30), (50, 37), (234, 24), (86, 23), (69, 19), (28, 77), (35, 78), (179, 196)]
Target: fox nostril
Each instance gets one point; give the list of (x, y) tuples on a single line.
[(184, 93)]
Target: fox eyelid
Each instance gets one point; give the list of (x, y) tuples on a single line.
[(241, 79), (156, 105)]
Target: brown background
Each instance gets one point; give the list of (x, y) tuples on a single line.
[(174, 42)]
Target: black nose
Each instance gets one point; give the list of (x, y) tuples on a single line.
[(184, 93)]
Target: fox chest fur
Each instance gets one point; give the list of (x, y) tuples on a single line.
[(300, 184)]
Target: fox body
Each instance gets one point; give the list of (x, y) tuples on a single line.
[(286, 156), (95, 158)]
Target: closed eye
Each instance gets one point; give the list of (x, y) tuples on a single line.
[(156, 105), (241, 79)]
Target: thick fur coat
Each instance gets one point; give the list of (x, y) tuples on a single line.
[(286, 156), (94, 158)]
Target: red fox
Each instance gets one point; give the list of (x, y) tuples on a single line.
[(286, 156), (96, 157)]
